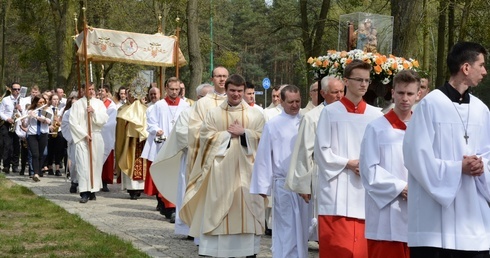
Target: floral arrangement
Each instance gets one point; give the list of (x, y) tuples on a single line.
[(384, 68)]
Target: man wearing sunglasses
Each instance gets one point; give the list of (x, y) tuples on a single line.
[(10, 141)]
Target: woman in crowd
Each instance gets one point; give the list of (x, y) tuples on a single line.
[(37, 132), (56, 142)]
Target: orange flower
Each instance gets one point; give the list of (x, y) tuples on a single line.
[(406, 65), (415, 63), (318, 62), (325, 63), (377, 69), (310, 60), (343, 54), (348, 61), (394, 66)]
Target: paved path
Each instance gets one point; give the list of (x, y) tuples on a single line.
[(132, 220)]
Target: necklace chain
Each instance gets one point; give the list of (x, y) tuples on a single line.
[(466, 136)]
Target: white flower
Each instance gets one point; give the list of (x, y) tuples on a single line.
[(385, 81)]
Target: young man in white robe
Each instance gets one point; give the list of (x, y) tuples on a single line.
[(384, 175), (337, 147), (302, 175), (161, 119), (89, 180), (109, 136), (290, 212), (446, 150), (218, 205), (275, 107)]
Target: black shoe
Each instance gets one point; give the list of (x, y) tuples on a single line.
[(167, 212), (104, 188), (15, 169), (50, 172), (73, 187), (6, 170), (58, 173), (21, 173), (41, 174), (132, 196), (92, 197), (268, 232), (84, 200), (172, 218), (160, 206), (190, 238)]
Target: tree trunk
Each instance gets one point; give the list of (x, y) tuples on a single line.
[(464, 19), (425, 36), (4, 12), (450, 24), (405, 27), (195, 59), (64, 29), (441, 43)]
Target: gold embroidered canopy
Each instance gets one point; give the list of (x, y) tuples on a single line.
[(128, 47)]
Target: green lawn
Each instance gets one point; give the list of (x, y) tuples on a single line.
[(31, 226)]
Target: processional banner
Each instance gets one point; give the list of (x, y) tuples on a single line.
[(128, 47)]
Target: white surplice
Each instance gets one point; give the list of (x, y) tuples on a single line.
[(272, 111), (340, 190), (447, 209), (168, 168), (384, 177), (109, 130), (303, 171), (78, 128), (290, 212), (307, 108), (70, 149), (160, 116)]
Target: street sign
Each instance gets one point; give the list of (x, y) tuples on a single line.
[(259, 92), (266, 83)]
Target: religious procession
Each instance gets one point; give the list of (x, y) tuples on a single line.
[(379, 162)]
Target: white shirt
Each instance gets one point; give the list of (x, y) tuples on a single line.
[(44, 121), (7, 107)]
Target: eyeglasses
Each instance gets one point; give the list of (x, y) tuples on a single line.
[(360, 80), (15, 88)]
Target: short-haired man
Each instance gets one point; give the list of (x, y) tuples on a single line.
[(249, 96), (161, 118), (9, 109), (182, 94), (313, 92), (337, 147), (446, 150), (61, 94), (201, 108), (218, 205), (274, 108), (89, 180), (384, 175), (302, 173), (290, 238)]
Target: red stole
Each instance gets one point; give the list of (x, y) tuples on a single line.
[(251, 104), (107, 102), (172, 102), (395, 121), (351, 108)]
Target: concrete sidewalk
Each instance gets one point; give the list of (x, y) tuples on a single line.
[(133, 220)]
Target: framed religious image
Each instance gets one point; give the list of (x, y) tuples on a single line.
[(366, 31)]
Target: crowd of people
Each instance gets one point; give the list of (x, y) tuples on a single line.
[(406, 181)]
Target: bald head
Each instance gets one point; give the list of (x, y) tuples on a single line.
[(154, 94)]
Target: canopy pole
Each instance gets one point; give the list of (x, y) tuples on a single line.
[(87, 95), (176, 48)]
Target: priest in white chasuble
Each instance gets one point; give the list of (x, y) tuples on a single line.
[(218, 205), (384, 175), (446, 150), (201, 108), (302, 175), (89, 181), (340, 193), (290, 213)]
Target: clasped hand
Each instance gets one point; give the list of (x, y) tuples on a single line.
[(472, 165), (236, 129)]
